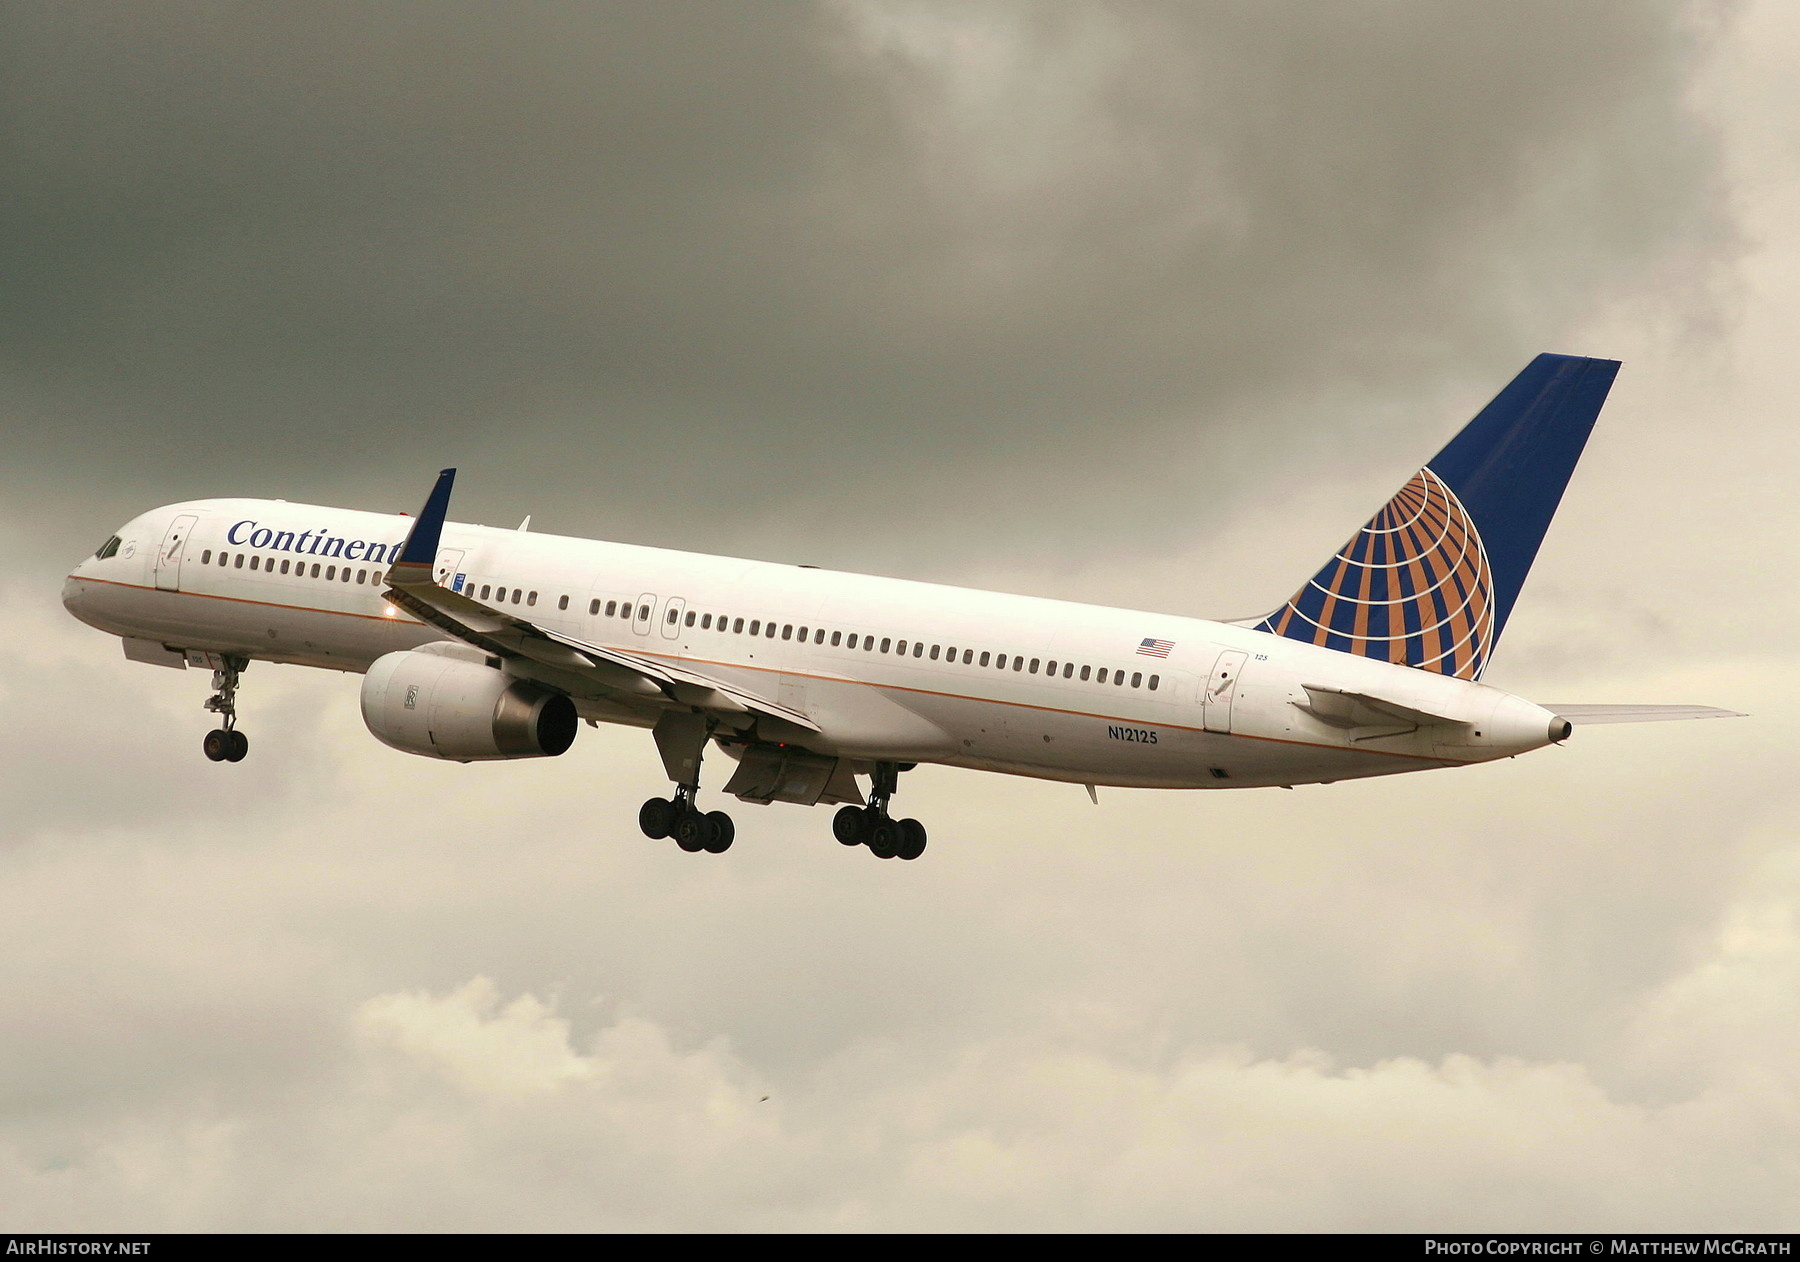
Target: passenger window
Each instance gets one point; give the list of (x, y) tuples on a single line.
[(705, 622), (868, 644), (612, 607), (1018, 664), (1101, 676), (485, 591), (238, 562), (801, 636), (1050, 668), (1069, 669), (345, 576), (1118, 679), (851, 642), (1084, 673), (500, 595), (756, 626), (362, 576), (836, 638), (999, 661), (769, 630), (884, 643), (515, 595), (1153, 682), (562, 602), (968, 657), (1034, 665), (253, 561), (984, 658), (530, 598), (331, 573), (737, 626), (284, 567), (919, 648), (900, 648), (787, 630), (819, 635), (674, 617), (315, 569), (1137, 677), (689, 620), (205, 557), (593, 608), (934, 652)]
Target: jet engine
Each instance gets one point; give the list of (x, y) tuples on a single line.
[(437, 702)]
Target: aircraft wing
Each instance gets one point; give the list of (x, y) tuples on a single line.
[(626, 677), (1638, 713)]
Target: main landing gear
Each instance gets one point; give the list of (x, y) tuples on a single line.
[(226, 743), (872, 826), (693, 829), (681, 740)]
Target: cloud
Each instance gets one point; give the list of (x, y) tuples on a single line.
[(522, 1050), (645, 271), (467, 1111)]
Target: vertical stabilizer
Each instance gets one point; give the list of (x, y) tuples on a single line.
[(1432, 578)]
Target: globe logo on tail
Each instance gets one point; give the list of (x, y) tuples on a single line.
[(1413, 587)]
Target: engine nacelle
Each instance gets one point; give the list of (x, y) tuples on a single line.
[(438, 703)]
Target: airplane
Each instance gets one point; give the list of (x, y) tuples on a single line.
[(478, 644)]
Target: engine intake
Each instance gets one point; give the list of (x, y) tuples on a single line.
[(442, 705)]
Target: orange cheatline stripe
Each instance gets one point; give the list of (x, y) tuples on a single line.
[(838, 679), (244, 600)]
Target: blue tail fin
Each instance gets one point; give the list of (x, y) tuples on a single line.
[(1431, 580)]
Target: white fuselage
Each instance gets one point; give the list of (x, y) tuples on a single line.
[(1077, 699)]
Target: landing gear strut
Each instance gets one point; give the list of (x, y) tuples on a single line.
[(226, 743), (872, 826), (681, 739)]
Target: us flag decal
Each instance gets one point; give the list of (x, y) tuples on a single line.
[(1155, 648)]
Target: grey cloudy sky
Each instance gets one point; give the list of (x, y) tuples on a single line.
[(1141, 303)]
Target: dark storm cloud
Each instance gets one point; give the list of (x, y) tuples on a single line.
[(643, 264)]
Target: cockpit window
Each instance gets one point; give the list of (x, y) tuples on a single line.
[(107, 549)]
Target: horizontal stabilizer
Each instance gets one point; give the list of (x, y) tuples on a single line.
[(1359, 709), (1639, 713)]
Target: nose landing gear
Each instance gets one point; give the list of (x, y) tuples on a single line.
[(226, 743)]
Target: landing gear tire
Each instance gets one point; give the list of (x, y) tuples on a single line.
[(657, 818), (693, 832), (217, 745), (720, 832), (850, 825), (884, 838), (236, 746), (912, 839)]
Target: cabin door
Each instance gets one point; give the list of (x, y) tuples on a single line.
[(168, 556), (1220, 690)]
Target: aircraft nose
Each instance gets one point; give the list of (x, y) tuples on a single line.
[(73, 593)]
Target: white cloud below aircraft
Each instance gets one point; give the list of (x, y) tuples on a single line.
[(479, 643)]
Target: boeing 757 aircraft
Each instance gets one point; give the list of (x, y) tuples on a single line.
[(477, 643)]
